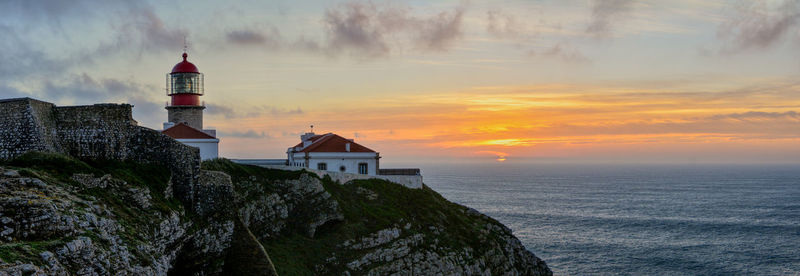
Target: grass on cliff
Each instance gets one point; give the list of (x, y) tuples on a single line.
[(28, 251), (428, 213), (244, 175), (57, 169), (60, 168), (294, 253), (239, 172)]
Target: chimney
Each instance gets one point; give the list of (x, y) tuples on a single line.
[(168, 125), (306, 138), (347, 147)]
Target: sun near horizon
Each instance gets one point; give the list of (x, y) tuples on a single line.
[(490, 81)]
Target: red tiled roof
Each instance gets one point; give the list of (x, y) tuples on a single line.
[(183, 131), (332, 143), (313, 138)]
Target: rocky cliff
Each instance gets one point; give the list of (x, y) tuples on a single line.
[(64, 216)]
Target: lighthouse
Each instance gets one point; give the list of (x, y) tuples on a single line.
[(185, 110), (185, 87)]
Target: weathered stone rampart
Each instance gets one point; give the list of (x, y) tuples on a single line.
[(99, 132), (22, 128)]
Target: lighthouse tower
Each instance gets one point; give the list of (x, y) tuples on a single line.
[(185, 86), (185, 111)]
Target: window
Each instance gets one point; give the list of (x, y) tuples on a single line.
[(183, 83), (362, 168), (322, 166)]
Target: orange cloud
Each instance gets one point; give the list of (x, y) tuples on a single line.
[(553, 120)]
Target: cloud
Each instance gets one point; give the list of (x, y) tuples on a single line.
[(147, 111), (21, 58), (55, 12), (292, 134), (759, 25), (305, 44), (142, 28), (216, 109), (270, 37), (356, 25), (7, 92), (564, 53), (251, 134), (503, 25), (230, 112), (365, 30), (440, 32), (757, 116), (85, 89), (605, 13), (48, 73), (135, 26), (491, 152), (370, 30)]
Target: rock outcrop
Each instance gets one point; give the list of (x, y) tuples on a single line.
[(52, 228)]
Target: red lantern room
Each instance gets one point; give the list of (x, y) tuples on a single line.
[(185, 84)]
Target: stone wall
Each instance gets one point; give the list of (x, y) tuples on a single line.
[(42, 113), (95, 131), (100, 132), (21, 132)]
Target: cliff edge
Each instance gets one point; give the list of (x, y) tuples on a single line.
[(63, 216)]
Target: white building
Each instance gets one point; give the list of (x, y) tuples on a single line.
[(331, 152), (203, 140)]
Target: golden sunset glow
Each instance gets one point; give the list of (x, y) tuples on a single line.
[(446, 80), (597, 121)]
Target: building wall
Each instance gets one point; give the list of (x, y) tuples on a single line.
[(190, 115), (350, 165), (261, 162), (335, 160), (209, 148)]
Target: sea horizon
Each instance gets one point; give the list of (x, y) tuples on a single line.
[(709, 219)]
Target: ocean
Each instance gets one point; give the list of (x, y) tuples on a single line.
[(640, 219)]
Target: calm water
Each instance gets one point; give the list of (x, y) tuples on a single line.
[(599, 219)]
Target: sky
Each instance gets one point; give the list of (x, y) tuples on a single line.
[(684, 81)]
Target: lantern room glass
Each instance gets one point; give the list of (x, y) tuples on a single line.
[(185, 83)]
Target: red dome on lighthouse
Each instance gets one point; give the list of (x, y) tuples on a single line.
[(184, 66)]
